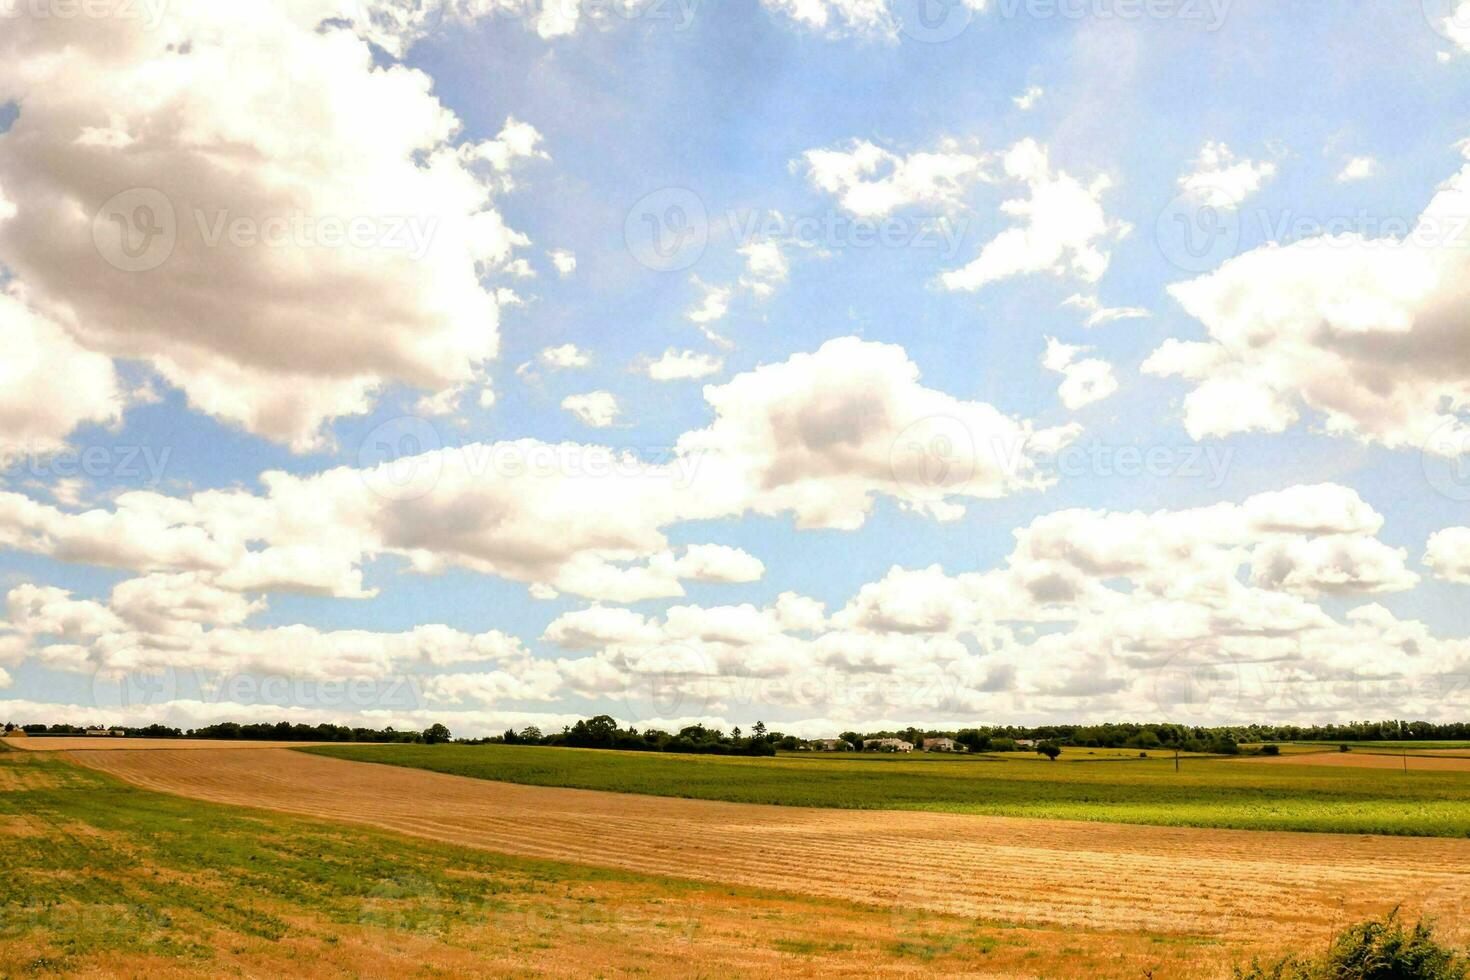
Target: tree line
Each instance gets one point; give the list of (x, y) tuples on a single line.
[(604, 732), (281, 731)]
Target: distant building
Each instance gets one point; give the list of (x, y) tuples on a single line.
[(942, 745), (832, 745), (1026, 743), (14, 733), (105, 733), (887, 745)]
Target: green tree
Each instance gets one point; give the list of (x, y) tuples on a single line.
[(436, 733)]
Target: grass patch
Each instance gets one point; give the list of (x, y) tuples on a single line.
[(809, 947), (1206, 792), (105, 869)]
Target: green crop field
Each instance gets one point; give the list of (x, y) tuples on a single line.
[(1206, 792)]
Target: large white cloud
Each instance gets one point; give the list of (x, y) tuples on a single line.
[(1201, 615), (248, 204), (1198, 615), (1448, 554), (243, 542), (1060, 226), (1367, 332), (41, 360), (820, 436), (162, 625)]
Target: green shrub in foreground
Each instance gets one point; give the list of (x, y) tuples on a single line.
[(1380, 949)]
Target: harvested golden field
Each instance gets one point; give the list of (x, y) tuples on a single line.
[(106, 879), (1448, 761), (64, 743), (1240, 890)]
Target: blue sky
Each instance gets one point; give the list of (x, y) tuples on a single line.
[(1281, 121)]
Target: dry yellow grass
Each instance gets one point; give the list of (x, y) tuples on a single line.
[(1245, 891)]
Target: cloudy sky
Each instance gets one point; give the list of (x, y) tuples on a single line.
[(833, 363)]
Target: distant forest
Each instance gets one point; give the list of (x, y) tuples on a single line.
[(281, 731), (604, 732)]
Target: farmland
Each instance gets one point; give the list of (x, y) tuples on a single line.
[(102, 877), (1033, 897), (1109, 786)]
